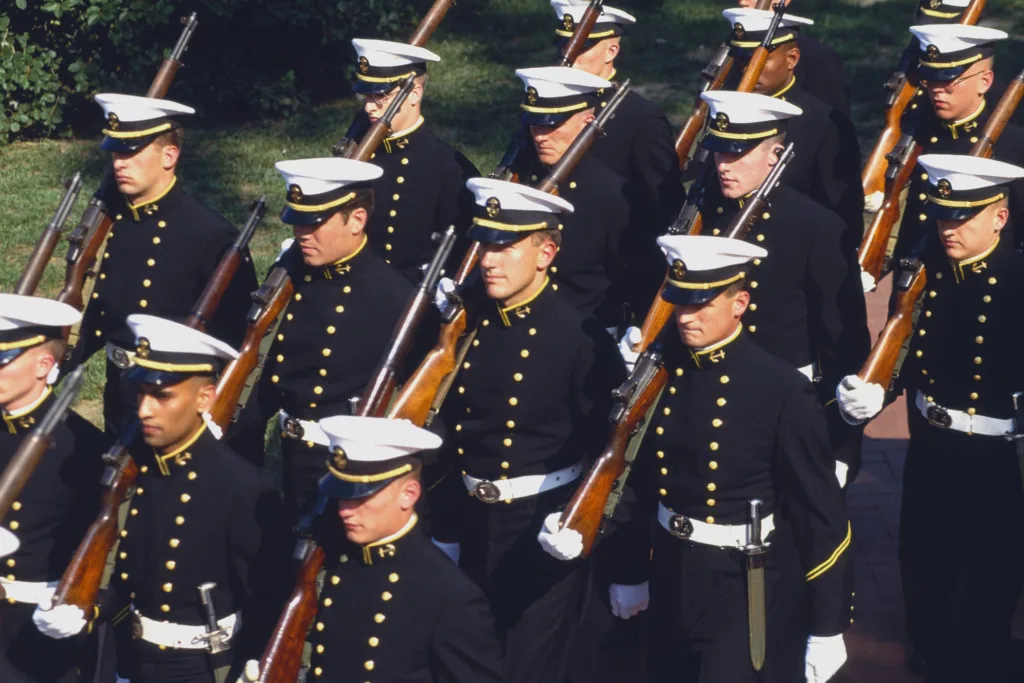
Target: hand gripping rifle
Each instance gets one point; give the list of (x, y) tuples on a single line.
[(80, 584), (902, 89), (85, 240), (521, 138), (881, 364), (346, 147), (420, 398), (270, 300), (713, 77), (46, 245), (639, 393), (282, 656), (690, 223), (34, 446)]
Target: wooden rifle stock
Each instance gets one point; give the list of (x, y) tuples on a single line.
[(585, 512), (79, 586), (902, 87), (382, 128), (903, 161), (47, 244), (1000, 116), (94, 225), (694, 124), (232, 259), (752, 74), (32, 449), (430, 22), (581, 33), (881, 362)]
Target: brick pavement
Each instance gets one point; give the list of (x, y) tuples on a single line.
[(875, 641)]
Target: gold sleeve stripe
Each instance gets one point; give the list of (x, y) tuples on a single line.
[(827, 564)]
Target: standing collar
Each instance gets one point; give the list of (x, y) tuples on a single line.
[(386, 547), (786, 88), (343, 267), (716, 352), (151, 207), (522, 310), (23, 420), (975, 264), (179, 456), (400, 139), (966, 124)]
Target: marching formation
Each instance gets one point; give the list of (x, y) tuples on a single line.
[(623, 364)]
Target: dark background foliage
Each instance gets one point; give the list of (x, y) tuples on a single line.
[(256, 58)]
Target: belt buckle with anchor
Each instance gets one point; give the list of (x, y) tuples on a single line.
[(121, 358), (938, 416), (680, 526), (293, 428), (487, 492)]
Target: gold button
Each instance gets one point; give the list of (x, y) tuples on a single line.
[(752, 328), (971, 411), (395, 197), (927, 314), (979, 340), (505, 465), (368, 665), (760, 238), (713, 465), (921, 333), (664, 471), (347, 289), (320, 626), (753, 307), (462, 390), (156, 240), (123, 555), (405, 162), (298, 297), (185, 498), (525, 353), (974, 139), (987, 299), (458, 428), (992, 280), (572, 185), (388, 247), (466, 365), (174, 543), (331, 329), (724, 379), (326, 353), (393, 213), (511, 424), (513, 401), (486, 323), (711, 502), (668, 411), (308, 278), (721, 402), (921, 197), (168, 587), (179, 520), (147, 283), (150, 263), (982, 319), (924, 176), (143, 303), (710, 520), (318, 671), (977, 378), (133, 512), (922, 217), (679, 372), (507, 442), (711, 486), (933, 140), (385, 596), (714, 445), (391, 229), (977, 360), (379, 618), (393, 577), (165, 608), (974, 396), (720, 210), (319, 650), (938, 276), (662, 492), (280, 337), (716, 422), (124, 576), (659, 431), (328, 602), (124, 533), (171, 564), (757, 262), (931, 294), (919, 353), (753, 285), (274, 379)]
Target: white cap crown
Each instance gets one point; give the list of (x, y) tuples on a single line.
[(377, 439), (515, 197)]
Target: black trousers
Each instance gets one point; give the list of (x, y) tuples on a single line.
[(142, 662), (27, 656), (961, 551), (698, 614), (537, 600)]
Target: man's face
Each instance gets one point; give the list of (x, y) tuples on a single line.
[(25, 375), (971, 237), (959, 98), (778, 69), (331, 240), (599, 58), (510, 269), (376, 105), (170, 415), (552, 141), (137, 173), (740, 173), (379, 515), (702, 325)]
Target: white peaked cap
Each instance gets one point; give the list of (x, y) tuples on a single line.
[(385, 53), (609, 15), (165, 336), (755, 20), (317, 176), (704, 252), (967, 172), (561, 81), (377, 439), (955, 37), (515, 197), (131, 108), (745, 107), (17, 311)]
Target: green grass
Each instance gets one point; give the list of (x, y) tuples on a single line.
[(472, 99)]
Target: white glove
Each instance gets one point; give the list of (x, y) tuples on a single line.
[(628, 601), (285, 246), (825, 656), (452, 550), (445, 287), (213, 427), (626, 344), (859, 400), (873, 202), (561, 544), (867, 282), (251, 673), (842, 469), (9, 543), (62, 621)]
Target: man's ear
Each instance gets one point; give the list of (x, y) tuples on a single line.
[(985, 81), (169, 157), (206, 397), (410, 493), (740, 303), (793, 57), (548, 252), (357, 220), (1002, 216), (611, 52), (44, 364)]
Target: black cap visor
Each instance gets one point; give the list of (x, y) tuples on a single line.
[(690, 297), (335, 488)]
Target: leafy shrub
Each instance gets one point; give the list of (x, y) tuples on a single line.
[(248, 58)]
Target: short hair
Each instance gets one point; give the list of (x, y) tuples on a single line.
[(175, 137), (55, 348), (538, 238), (364, 199), (422, 80), (774, 140), (741, 285)]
